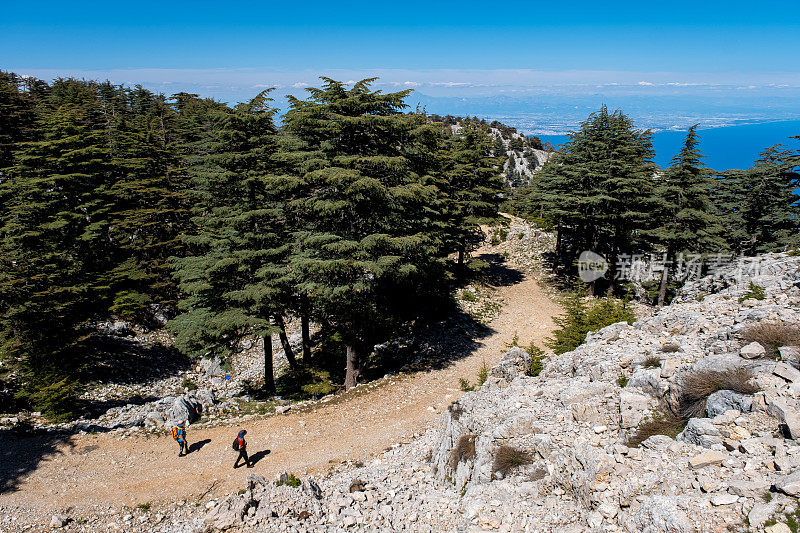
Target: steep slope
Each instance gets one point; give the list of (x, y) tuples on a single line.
[(570, 426)]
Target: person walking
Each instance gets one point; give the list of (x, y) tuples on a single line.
[(240, 444), (179, 434)]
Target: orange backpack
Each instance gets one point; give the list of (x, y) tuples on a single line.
[(178, 433)]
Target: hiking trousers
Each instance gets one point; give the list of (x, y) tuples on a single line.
[(242, 455)]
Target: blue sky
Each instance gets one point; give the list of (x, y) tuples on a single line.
[(545, 65), (678, 36)]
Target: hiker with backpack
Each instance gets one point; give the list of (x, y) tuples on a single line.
[(179, 434), (240, 445)]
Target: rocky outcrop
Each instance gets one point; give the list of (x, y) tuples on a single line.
[(567, 432)]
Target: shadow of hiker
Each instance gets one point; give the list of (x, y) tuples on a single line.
[(194, 447), (256, 457), (21, 451)]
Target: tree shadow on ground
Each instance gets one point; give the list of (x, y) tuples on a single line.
[(120, 360), (21, 451), (497, 272)]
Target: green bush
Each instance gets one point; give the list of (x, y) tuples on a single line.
[(465, 385), (130, 305), (468, 296), (537, 360), (188, 384), (754, 291), (622, 380), (483, 373), (56, 398), (290, 481), (582, 317), (305, 382)]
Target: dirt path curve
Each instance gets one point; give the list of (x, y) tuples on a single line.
[(102, 469)]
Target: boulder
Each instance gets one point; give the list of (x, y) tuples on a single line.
[(185, 408), (761, 512), (700, 432), (753, 351), (725, 400), (58, 521), (789, 484), (206, 397), (514, 362), (707, 459), (789, 373), (230, 512), (660, 514), (789, 353), (632, 408), (211, 367), (649, 380), (786, 415)]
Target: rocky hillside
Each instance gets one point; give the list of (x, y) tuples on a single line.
[(678, 423)]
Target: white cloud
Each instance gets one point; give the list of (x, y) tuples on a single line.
[(645, 84)]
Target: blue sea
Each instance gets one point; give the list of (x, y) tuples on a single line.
[(725, 147)]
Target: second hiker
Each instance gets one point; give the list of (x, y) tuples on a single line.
[(241, 445)]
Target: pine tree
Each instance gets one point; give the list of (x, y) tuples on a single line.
[(684, 220), (231, 275), (55, 245), (597, 190), (761, 205), (475, 187), (364, 250)]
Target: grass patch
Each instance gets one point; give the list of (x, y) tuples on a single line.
[(669, 425), (772, 335), (754, 291), (698, 386), (145, 507), (671, 347), (508, 458), (188, 384), (622, 380), (464, 450), (465, 385), (652, 362)]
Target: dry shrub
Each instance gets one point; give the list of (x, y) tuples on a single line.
[(772, 335), (669, 425), (652, 362), (671, 347), (507, 458), (464, 450), (699, 385)]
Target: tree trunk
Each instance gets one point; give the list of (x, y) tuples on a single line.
[(287, 348), (662, 290), (269, 374), (352, 367), (305, 333)]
